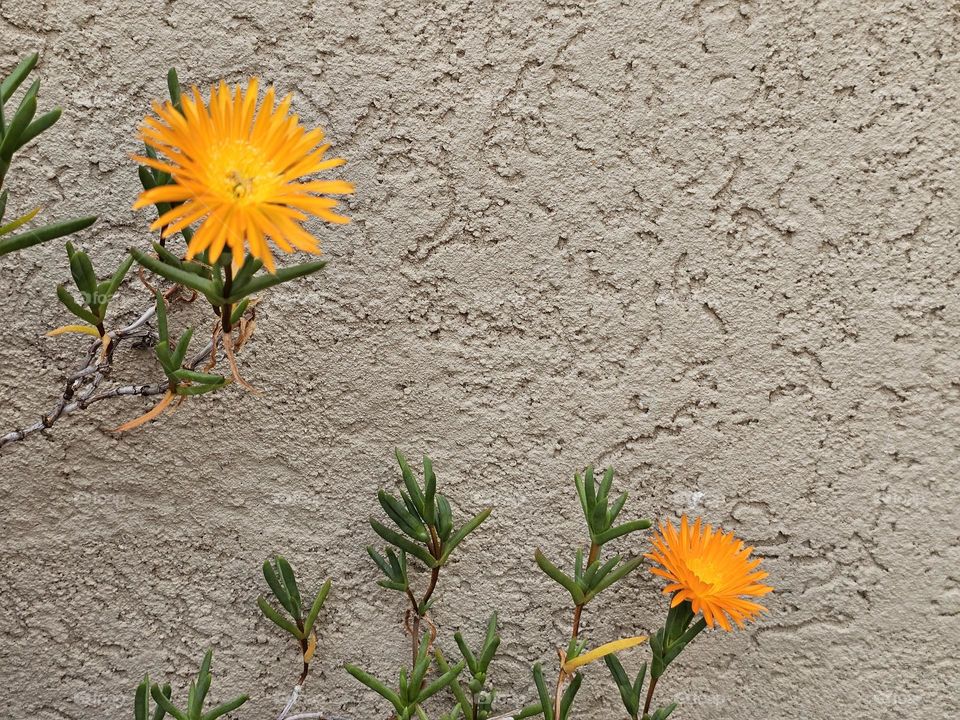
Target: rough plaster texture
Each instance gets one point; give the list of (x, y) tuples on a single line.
[(712, 244)]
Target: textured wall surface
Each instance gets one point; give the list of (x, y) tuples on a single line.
[(712, 244)]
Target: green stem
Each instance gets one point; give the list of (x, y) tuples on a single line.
[(303, 651), (415, 629), (227, 310), (646, 703), (578, 610), (574, 634)]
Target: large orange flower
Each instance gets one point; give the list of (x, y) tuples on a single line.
[(241, 171), (711, 569)]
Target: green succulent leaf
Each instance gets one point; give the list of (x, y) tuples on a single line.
[(179, 275), (278, 619), (546, 706), (606, 484), (528, 711), (378, 687), (10, 84), (159, 713), (381, 562), (670, 640), (199, 377), (225, 708), (616, 508), (562, 578), (628, 527), (582, 494), (73, 306), (610, 578), (18, 125), (239, 310), (141, 701), (181, 350), (444, 518), (164, 702), (415, 494), (268, 280), (41, 124), (409, 524), (463, 702), (429, 492), (39, 235), (290, 583), (405, 544), (160, 306), (590, 486), (83, 275), (566, 700), (422, 663), (270, 575), (467, 653), (173, 87), (629, 693), (114, 283), (662, 713), (250, 266), (457, 537), (601, 571), (315, 608), (441, 682), (490, 643), (165, 256)]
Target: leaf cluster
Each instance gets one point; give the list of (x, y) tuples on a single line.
[(424, 523), (283, 585), (210, 281), (95, 295), (566, 700), (196, 697), (15, 132), (674, 636), (479, 704), (182, 380), (412, 689), (590, 575), (631, 692)]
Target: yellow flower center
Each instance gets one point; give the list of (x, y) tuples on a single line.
[(706, 571), (239, 172), (242, 186)]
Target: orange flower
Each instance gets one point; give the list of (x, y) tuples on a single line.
[(240, 170), (711, 569)]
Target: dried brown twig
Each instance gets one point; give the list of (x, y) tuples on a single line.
[(82, 388)]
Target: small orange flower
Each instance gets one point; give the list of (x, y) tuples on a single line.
[(711, 569), (241, 171)]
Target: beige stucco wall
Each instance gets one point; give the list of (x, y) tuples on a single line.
[(712, 244)]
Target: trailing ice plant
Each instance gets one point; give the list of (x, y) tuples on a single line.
[(710, 574), (299, 624), (712, 581), (231, 177), (591, 576), (425, 530), (228, 174)]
